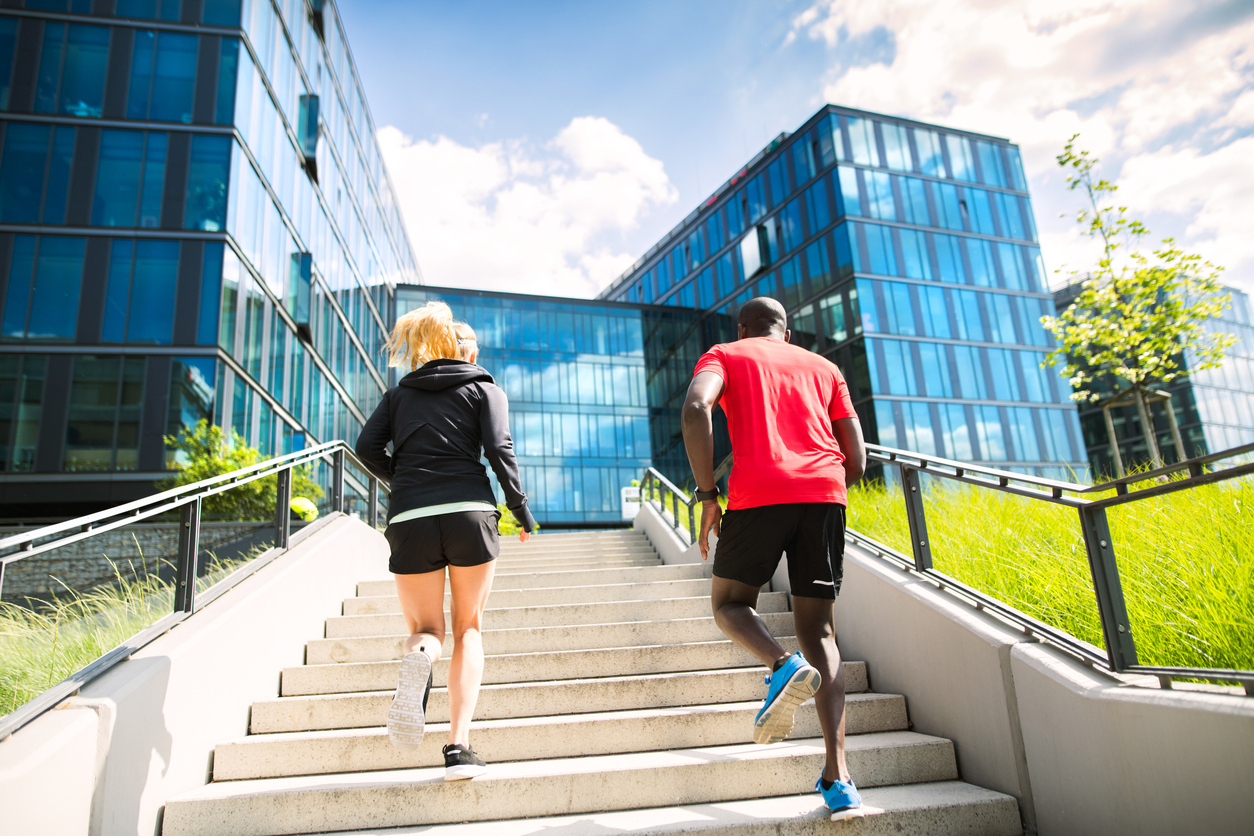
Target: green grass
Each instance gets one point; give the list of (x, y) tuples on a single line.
[(1186, 562), (43, 644)]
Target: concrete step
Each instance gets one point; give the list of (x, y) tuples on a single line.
[(586, 577), (554, 615), (357, 677), (554, 736), (539, 547), (934, 809), (532, 699), (540, 639), (396, 798), (550, 595), (504, 567)]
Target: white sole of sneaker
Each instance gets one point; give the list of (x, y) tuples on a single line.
[(775, 723), (406, 717), (463, 771)]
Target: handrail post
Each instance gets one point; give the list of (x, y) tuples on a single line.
[(373, 505), (692, 520), (189, 547), (912, 487), (283, 509), (337, 481), (1111, 608)]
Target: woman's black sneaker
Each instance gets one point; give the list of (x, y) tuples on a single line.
[(461, 762)]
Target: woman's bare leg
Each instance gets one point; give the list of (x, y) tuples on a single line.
[(422, 603), (470, 585)]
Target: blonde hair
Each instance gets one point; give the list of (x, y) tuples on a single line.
[(465, 336), (422, 335)]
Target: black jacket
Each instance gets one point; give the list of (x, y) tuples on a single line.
[(438, 419)]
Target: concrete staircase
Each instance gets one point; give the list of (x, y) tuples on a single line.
[(612, 704)]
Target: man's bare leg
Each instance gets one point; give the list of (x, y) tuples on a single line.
[(734, 606), (816, 633)]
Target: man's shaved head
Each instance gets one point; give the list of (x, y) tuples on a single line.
[(762, 316)]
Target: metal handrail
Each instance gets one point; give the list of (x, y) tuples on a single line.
[(1118, 653), (188, 500)]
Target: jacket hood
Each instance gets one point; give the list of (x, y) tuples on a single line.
[(439, 375)]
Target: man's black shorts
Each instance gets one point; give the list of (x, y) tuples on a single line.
[(428, 544), (813, 533)]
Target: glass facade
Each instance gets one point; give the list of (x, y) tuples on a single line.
[(195, 222), (1213, 408), (907, 254), (591, 388)]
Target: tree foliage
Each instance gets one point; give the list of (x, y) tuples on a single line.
[(1136, 314), (207, 452)]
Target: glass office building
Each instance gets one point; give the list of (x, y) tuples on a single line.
[(907, 254), (593, 390), (195, 223), (1213, 407)]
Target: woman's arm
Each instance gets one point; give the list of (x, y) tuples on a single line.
[(498, 446), (372, 444)]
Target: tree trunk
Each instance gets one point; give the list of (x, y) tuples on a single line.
[(1147, 428), (1114, 443)]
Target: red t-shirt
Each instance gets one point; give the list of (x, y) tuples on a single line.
[(780, 402)]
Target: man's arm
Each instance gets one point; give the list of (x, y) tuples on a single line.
[(697, 418), (848, 432)]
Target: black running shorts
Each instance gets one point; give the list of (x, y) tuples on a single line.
[(428, 544), (812, 533)]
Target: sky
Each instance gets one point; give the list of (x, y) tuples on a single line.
[(542, 147)]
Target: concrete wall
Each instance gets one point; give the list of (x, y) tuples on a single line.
[(153, 721), (1083, 751)]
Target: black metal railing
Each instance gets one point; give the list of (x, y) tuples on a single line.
[(188, 502), (1119, 653)]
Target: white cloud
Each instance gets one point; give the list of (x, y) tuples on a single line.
[(509, 216), (1162, 92)]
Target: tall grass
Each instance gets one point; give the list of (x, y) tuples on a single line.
[(1186, 562), (42, 644)]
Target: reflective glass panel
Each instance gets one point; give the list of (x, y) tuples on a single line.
[(117, 292), (154, 178), (54, 297), (896, 147), (817, 266), (82, 82), (960, 159), (948, 208), (816, 207), (22, 171), (847, 194), (17, 294), (228, 68), (914, 200), (988, 429), (153, 285), (990, 163), (914, 254), (955, 433), (208, 172), (8, 37), (970, 373), (118, 175), (930, 159), (59, 174), (879, 198), (862, 141)]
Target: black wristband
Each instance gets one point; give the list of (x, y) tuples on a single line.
[(706, 496)]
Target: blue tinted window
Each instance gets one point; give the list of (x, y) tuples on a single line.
[(1017, 180), (1034, 379), (1001, 365), (72, 69), (803, 159), (790, 283), (967, 314), (22, 171), (54, 297), (757, 200), (816, 207), (222, 12), (1008, 212), (49, 78), (879, 241), (817, 266), (17, 297), (896, 147), (117, 292), (1012, 267), (948, 209), (832, 318), (917, 420), (899, 365), (1057, 445), (914, 253), (949, 257), (714, 232), (914, 200), (736, 214), (879, 196), (862, 141), (898, 308), (1028, 312), (648, 291), (970, 373), (705, 286), (934, 309), (695, 248), (1023, 431), (979, 212), (151, 311), (847, 195), (1000, 321), (118, 176), (59, 174), (663, 274), (885, 426), (228, 68), (154, 178), (831, 146), (790, 226), (208, 173), (725, 274), (867, 306), (980, 255), (844, 249), (174, 77), (142, 54), (930, 159), (149, 9), (1036, 269), (955, 432), (768, 241), (960, 159), (988, 428), (8, 37), (210, 294), (990, 164), (777, 173)]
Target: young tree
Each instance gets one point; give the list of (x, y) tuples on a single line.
[(1136, 314), (208, 453)]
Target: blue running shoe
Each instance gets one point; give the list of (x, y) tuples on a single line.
[(842, 795), (790, 686)]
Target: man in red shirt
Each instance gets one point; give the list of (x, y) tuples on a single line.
[(796, 445)]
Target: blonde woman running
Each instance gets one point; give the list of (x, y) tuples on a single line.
[(443, 413)]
